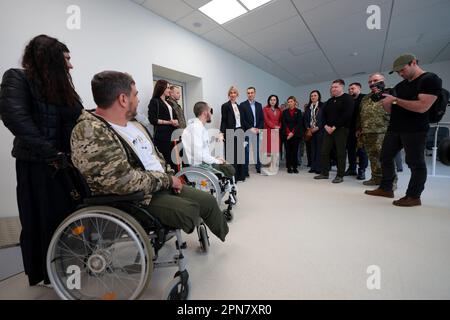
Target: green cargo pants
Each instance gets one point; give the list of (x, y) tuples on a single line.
[(184, 210)]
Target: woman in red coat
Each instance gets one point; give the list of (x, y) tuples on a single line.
[(272, 124)]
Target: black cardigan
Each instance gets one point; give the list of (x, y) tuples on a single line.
[(157, 110)]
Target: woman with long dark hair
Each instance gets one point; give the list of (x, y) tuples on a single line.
[(314, 128), (164, 120), (40, 106), (271, 142)]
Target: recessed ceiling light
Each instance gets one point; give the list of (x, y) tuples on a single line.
[(223, 11), (252, 4)]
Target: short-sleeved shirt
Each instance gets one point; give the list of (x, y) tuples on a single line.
[(403, 120), (141, 145)]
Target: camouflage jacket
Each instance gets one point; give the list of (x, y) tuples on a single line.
[(372, 117), (179, 112), (109, 164)]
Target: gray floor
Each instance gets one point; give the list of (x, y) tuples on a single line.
[(297, 238)]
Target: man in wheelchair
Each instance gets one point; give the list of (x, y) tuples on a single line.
[(196, 143), (116, 155), (197, 154)]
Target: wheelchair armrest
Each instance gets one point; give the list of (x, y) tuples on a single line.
[(114, 198)]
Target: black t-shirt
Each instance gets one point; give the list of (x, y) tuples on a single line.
[(403, 120), (338, 111)]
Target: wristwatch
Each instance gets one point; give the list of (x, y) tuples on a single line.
[(395, 101)]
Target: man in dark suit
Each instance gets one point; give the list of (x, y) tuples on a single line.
[(252, 123)]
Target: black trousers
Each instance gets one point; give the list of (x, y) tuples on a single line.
[(44, 202), (165, 147), (353, 151), (316, 147), (414, 145), (238, 159), (339, 140), (308, 153), (292, 152)]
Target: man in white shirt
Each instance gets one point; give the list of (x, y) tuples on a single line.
[(196, 141)]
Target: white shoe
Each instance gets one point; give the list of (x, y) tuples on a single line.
[(42, 284)]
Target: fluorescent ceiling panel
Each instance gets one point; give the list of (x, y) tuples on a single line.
[(223, 11), (252, 4)]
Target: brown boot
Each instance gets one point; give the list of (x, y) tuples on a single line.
[(380, 193), (372, 182), (407, 202)]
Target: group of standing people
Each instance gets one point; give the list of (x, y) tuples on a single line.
[(40, 106)]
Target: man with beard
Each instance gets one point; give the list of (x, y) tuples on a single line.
[(408, 127), (116, 155), (196, 141)]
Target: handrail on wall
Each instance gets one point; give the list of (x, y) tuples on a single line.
[(435, 146)]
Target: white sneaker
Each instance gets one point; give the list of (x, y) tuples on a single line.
[(42, 284)]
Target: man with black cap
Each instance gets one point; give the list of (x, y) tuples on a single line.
[(408, 128)]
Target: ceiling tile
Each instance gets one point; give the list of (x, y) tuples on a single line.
[(196, 3), (197, 23), (235, 46), (138, 1), (261, 18), (406, 7), (444, 54), (405, 23), (283, 35), (219, 36), (169, 9), (334, 14), (307, 5)]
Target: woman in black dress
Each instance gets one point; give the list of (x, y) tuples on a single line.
[(164, 120), (40, 106)]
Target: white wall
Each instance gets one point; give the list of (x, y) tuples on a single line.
[(442, 69), (119, 35)]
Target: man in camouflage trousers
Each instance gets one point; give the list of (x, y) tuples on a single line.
[(372, 125), (115, 154)]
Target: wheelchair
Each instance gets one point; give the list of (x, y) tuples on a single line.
[(205, 178), (108, 248)]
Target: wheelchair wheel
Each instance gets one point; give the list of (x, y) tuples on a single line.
[(178, 288), (203, 237), (202, 180), (228, 215), (100, 253)]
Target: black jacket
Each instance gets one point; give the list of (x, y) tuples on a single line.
[(356, 111), (292, 123), (338, 111), (307, 116), (228, 120), (247, 119), (157, 110), (41, 129)]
